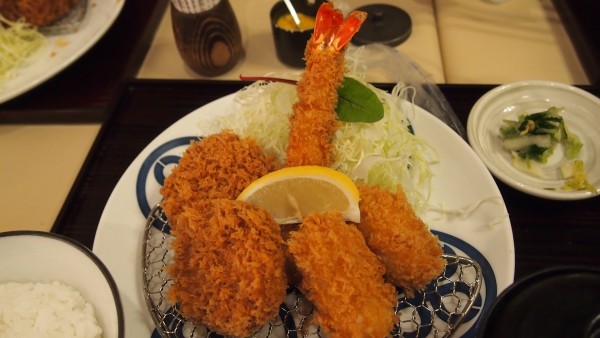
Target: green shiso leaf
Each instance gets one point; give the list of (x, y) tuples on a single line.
[(357, 102)]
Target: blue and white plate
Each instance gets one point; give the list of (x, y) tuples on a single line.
[(467, 211)]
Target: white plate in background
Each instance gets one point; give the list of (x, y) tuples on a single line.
[(62, 50), (581, 114)]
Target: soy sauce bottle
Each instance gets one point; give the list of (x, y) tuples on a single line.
[(207, 35)]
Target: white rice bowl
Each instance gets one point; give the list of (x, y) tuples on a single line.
[(52, 286), (45, 310)]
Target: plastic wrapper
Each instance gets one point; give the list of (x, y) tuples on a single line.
[(398, 68)]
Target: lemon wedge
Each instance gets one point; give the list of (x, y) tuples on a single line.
[(290, 193)]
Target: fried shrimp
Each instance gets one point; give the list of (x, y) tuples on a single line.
[(219, 166), (228, 267), (314, 121), (411, 254), (342, 278)]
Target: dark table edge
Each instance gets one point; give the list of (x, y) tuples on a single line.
[(232, 86), (71, 198), (581, 23), (64, 225)]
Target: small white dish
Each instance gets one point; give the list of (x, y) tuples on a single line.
[(41, 257), (581, 114)]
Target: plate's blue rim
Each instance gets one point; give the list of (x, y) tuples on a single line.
[(489, 278), (149, 167)]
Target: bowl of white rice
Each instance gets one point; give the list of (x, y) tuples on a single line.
[(52, 286)]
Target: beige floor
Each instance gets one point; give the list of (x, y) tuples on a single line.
[(482, 42), (38, 166)]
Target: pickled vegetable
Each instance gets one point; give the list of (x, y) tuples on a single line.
[(531, 140), (535, 136)]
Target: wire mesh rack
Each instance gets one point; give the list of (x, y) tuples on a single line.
[(436, 311)]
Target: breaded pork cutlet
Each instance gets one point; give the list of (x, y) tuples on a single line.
[(36, 12), (228, 267), (218, 166), (410, 252), (342, 278)]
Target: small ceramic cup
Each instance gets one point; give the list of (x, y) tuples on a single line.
[(290, 45)]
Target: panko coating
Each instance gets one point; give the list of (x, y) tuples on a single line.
[(342, 278), (228, 266), (410, 252), (218, 166), (36, 12)]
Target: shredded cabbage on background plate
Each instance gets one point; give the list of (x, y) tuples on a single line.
[(18, 42)]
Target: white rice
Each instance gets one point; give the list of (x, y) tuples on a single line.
[(45, 310)]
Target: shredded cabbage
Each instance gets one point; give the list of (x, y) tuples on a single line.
[(468, 210), (18, 41), (383, 153), (387, 153)]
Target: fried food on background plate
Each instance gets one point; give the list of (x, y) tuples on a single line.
[(342, 278), (36, 12), (218, 166), (410, 252), (228, 267)]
